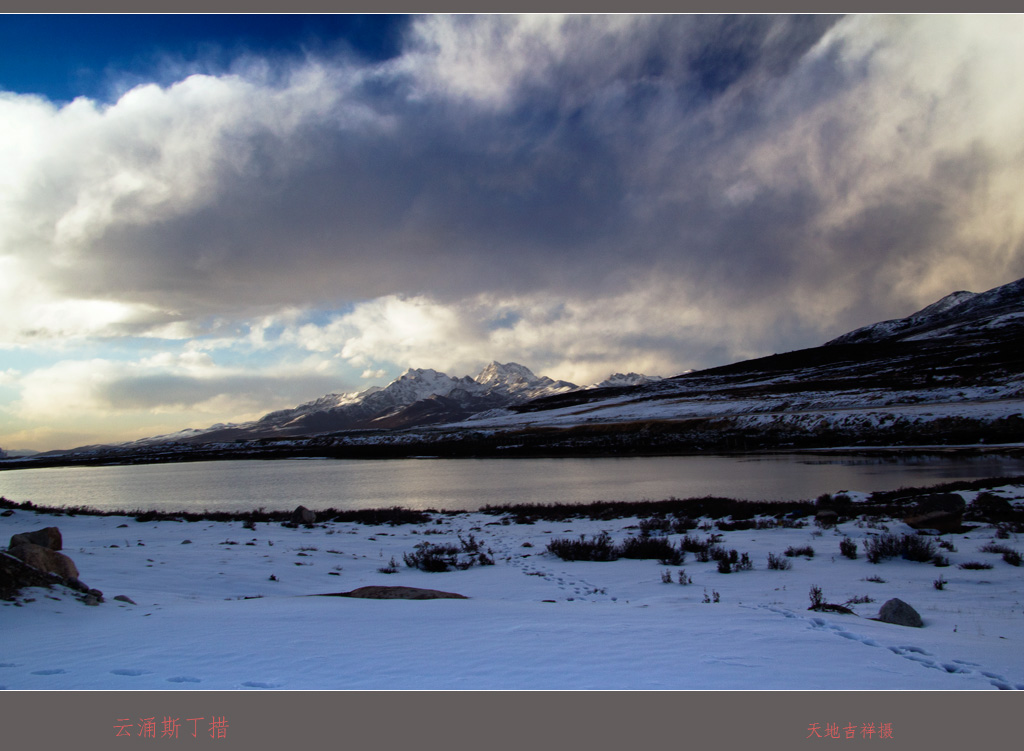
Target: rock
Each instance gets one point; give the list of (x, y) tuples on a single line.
[(48, 538), (124, 598), (45, 560), (826, 517), (899, 613), (943, 512), (303, 515), (15, 574), (379, 592), (942, 522)]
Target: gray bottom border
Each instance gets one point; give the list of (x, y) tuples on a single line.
[(482, 721)]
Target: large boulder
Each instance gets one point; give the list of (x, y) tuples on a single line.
[(943, 512), (48, 538), (899, 613), (16, 574), (303, 515), (45, 560)]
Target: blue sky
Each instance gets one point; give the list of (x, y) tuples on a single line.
[(67, 56), (204, 218)]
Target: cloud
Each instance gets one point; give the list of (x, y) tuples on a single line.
[(656, 326), (578, 193), (761, 156), (108, 400)]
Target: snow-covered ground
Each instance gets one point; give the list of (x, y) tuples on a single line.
[(230, 610)]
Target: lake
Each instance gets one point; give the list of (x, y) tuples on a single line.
[(468, 484)]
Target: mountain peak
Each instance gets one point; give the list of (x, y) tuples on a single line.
[(497, 373), (616, 380)]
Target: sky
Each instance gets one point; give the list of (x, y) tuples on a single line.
[(205, 218)]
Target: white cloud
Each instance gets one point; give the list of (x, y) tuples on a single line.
[(35, 315), (105, 400), (74, 174), (659, 327)]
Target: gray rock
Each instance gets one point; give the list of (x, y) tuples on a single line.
[(124, 598), (899, 613), (48, 538)]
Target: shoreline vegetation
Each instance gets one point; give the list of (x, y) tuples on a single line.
[(470, 449), (890, 503)]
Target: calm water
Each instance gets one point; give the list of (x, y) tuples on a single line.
[(468, 484)]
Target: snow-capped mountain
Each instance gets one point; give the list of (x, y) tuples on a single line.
[(619, 380), (519, 382), (420, 396)]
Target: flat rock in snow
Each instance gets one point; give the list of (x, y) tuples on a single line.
[(380, 592)]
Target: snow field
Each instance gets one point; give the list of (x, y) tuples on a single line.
[(209, 615)]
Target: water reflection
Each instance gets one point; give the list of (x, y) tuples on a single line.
[(467, 484)]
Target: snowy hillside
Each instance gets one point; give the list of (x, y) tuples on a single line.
[(958, 314)]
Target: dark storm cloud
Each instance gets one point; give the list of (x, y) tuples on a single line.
[(453, 196), (762, 162)]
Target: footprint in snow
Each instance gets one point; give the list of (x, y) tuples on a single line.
[(260, 684), (184, 679), (55, 671), (129, 671), (909, 652)]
